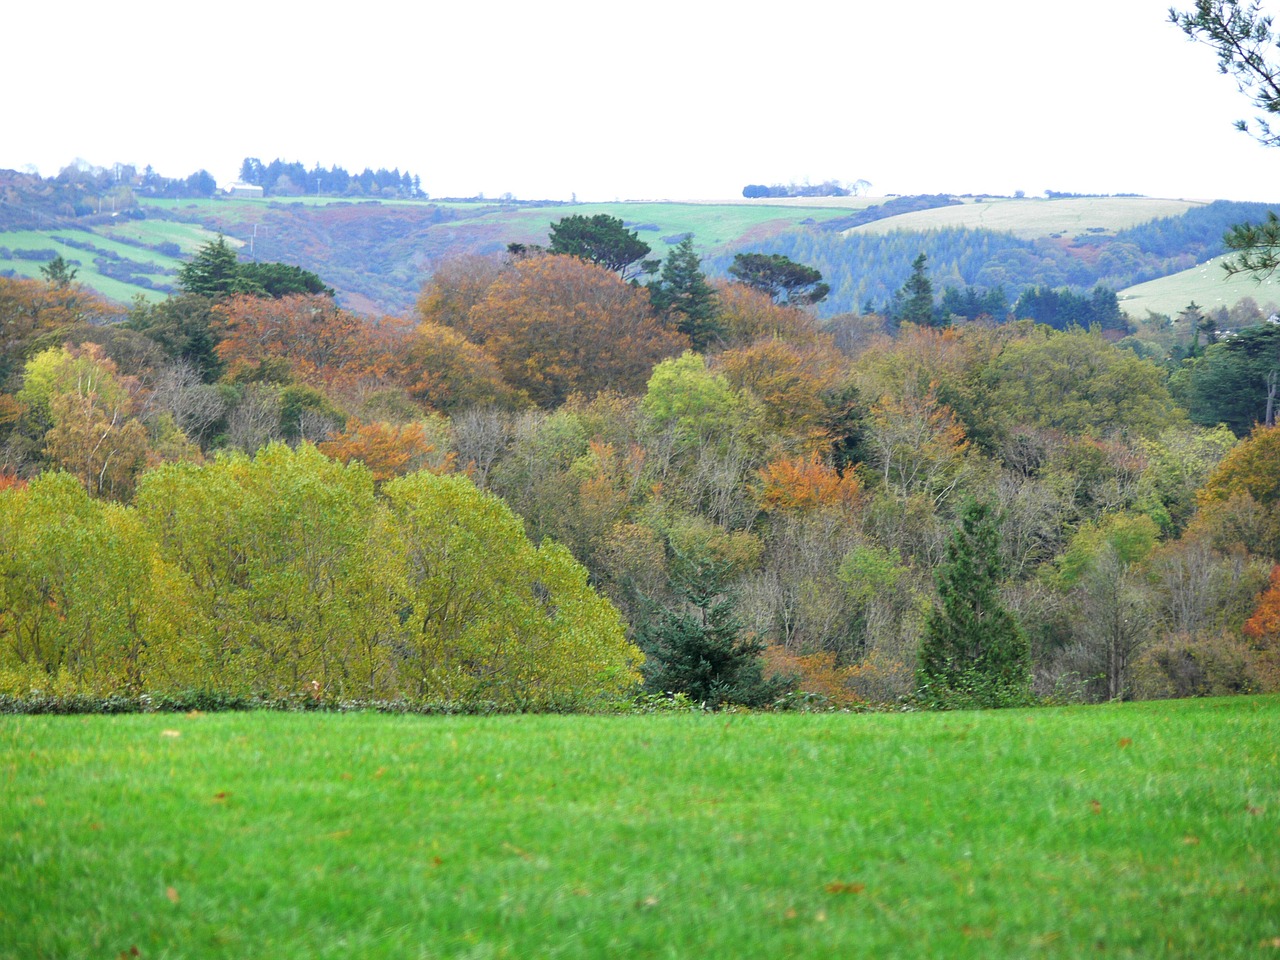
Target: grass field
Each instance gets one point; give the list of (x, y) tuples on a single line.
[(1139, 830), (1031, 218), (82, 260), (1206, 284)]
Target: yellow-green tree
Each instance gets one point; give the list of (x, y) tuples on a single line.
[(491, 617)]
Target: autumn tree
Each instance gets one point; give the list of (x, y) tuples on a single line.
[(793, 383), (490, 617), (316, 341), (457, 285), (557, 325), (386, 451), (85, 598), (447, 372), (1077, 382), (973, 652), (1240, 502), (89, 411)]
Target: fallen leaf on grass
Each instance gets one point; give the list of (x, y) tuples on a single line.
[(379, 772), (1126, 742), (131, 952), (220, 796), (647, 902), (95, 826), (1095, 806), (170, 733), (839, 887), (1191, 841), (791, 913), (172, 894), (1253, 811), (1273, 942)]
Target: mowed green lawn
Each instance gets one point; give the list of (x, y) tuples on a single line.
[(1139, 830)]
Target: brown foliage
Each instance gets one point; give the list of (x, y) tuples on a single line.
[(1265, 622), (817, 673), (448, 372), (806, 484), (747, 315), (318, 341), (790, 379), (1210, 664), (388, 451), (31, 307), (558, 325), (458, 285), (1251, 466)]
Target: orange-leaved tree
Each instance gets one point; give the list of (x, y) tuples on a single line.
[(557, 325), (386, 450)]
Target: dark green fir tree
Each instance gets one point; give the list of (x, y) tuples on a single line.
[(973, 653)]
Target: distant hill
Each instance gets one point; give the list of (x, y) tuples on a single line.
[(377, 254)]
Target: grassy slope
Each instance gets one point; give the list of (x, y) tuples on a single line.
[(102, 240), (1141, 830), (1206, 284), (1029, 218)]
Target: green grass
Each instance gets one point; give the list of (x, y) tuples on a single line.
[(1145, 830), (1206, 284), (188, 236), (1029, 218)]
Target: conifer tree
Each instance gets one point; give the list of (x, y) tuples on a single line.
[(972, 652), (685, 297), (699, 648), (917, 295)]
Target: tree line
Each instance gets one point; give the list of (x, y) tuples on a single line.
[(765, 502)]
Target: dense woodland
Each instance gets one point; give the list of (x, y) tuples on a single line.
[(548, 484)]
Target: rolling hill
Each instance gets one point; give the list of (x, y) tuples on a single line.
[(377, 254)]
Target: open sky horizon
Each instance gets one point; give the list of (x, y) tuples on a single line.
[(665, 101)]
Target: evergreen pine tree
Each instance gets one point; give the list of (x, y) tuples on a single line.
[(699, 648), (917, 295), (972, 652), (685, 297)]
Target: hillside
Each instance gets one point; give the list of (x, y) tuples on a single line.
[(378, 253)]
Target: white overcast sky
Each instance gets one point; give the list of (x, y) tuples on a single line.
[(678, 99)]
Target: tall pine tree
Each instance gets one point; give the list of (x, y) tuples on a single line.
[(685, 298), (972, 653)]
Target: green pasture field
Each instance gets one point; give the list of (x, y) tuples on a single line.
[(1207, 284), (1030, 218), (188, 236), (1137, 830), (82, 260)]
